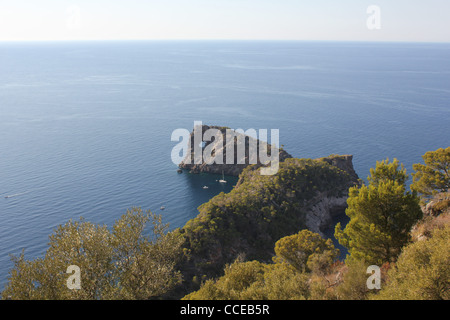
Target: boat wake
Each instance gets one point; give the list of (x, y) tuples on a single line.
[(22, 193), (15, 195)]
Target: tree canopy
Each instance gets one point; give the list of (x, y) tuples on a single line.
[(422, 271), (297, 257), (433, 176), (123, 263), (306, 251)]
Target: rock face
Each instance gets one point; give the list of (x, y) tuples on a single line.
[(219, 147), (324, 208), (436, 215), (321, 213), (437, 205)]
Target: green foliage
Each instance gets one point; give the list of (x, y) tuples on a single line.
[(306, 251), (434, 175), (238, 278), (381, 215), (442, 205), (422, 271), (120, 264), (354, 284), (254, 280), (285, 279), (385, 171)]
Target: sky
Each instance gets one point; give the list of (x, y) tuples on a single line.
[(333, 20)]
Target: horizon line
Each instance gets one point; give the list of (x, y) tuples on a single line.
[(224, 40)]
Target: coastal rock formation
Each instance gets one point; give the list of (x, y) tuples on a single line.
[(321, 213), (439, 203), (343, 162), (219, 146), (320, 210), (436, 214), (323, 208)]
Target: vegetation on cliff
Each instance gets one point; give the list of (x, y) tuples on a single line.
[(252, 243), (422, 271), (434, 175), (380, 231), (258, 212)]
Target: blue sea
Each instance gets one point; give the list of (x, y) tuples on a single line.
[(85, 127)]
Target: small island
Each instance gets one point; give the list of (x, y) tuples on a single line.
[(230, 168)]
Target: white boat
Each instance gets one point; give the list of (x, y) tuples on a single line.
[(223, 179), (205, 187), (162, 208)]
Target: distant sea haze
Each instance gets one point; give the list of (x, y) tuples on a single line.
[(85, 127)]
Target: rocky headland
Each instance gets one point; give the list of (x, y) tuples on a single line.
[(230, 168)]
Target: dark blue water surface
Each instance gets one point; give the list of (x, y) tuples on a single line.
[(85, 127)]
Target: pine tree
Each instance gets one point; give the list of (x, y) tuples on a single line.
[(381, 215), (434, 175)]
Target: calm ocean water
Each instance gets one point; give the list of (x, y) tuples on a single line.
[(85, 127)]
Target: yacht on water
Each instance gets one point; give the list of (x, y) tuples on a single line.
[(223, 178)]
